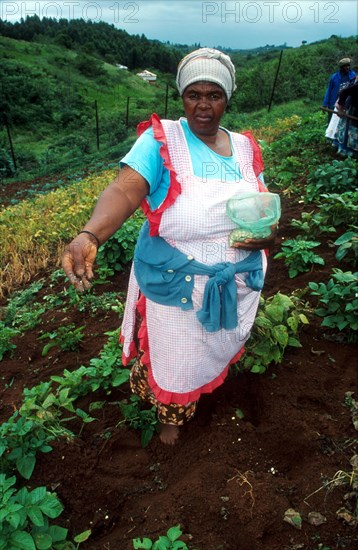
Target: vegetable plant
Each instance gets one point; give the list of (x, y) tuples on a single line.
[(299, 256), (21, 311), (313, 223), (340, 209), (41, 404), (347, 247), (88, 301), (6, 335), (338, 302), (118, 251), (24, 517), (277, 325), (39, 419), (170, 541), (333, 177), (20, 440), (139, 418), (289, 169), (67, 338)]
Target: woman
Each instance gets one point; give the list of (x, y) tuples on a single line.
[(192, 299), (346, 137)]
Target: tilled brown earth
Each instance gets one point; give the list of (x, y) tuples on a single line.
[(228, 482)]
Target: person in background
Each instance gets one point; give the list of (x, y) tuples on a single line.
[(337, 82), (192, 298), (346, 137)]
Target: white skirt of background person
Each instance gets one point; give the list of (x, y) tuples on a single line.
[(332, 127), (183, 356)]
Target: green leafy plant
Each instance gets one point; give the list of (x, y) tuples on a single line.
[(41, 404), (81, 537), (313, 224), (347, 247), (139, 418), (338, 302), (88, 301), (20, 440), (21, 312), (333, 177), (40, 418), (104, 372), (170, 541), (277, 325), (24, 518), (288, 170), (6, 334), (118, 251), (67, 338), (339, 209), (85, 417), (103, 273), (298, 256)]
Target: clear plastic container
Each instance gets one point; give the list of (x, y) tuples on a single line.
[(255, 214)]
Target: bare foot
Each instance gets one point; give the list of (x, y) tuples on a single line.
[(168, 433)]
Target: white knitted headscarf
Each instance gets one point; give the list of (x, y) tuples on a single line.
[(207, 65)]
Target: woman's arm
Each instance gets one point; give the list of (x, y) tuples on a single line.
[(117, 202)]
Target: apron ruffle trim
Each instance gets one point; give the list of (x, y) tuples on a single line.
[(165, 396), (154, 216)]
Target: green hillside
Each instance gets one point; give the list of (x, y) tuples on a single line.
[(58, 73), (48, 101)]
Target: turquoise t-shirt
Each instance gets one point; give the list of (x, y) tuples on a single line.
[(144, 158)]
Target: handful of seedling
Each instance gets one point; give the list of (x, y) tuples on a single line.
[(255, 214)]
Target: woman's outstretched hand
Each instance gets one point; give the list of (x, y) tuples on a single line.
[(78, 259), (117, 202)]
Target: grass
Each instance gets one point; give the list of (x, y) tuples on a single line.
[(50, 58), (57, 67)]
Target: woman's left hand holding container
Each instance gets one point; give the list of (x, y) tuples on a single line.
[(258, 244)]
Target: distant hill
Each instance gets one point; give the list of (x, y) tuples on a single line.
[(64, 98), (99, 39), (304, 71)]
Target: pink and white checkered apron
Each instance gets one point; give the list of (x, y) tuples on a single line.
[(185, 360)]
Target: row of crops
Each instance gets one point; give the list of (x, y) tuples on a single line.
[(299, 166)]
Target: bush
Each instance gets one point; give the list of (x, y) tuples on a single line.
[(89, 66), (26, 160), (7, 168)]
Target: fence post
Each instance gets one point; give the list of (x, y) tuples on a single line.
[(274, 84), (97, 125), (127, 113), (10, 142), (166, 101)]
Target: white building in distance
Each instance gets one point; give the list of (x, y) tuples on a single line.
[(147, 75)]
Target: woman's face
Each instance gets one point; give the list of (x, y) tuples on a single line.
[(204, 104)]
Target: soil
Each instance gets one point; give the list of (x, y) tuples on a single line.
[(228, 481)]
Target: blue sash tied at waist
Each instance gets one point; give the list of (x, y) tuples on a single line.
[(166, 276)]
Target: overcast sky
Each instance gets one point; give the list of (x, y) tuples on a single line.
[(241, 24)]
